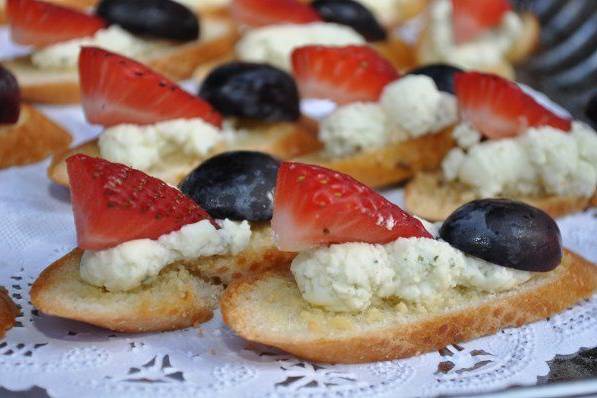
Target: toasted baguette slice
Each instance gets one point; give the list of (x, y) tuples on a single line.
[(183, 294), (220, 11), (428, 196), (391, 164), (8, 312), (267, 308), (33, 138), (521, 50), (174, 61), (284, 140)]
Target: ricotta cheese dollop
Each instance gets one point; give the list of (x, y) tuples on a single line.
[(128, 265), (274, 44), (410, 107), (144, 147), (414, 105), (350, 277), (354, 127), (65, 55), (485, 51), (542, 161)]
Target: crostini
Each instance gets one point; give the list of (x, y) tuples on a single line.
[(386, 127), (149, 257), (164, 34), (484, 35), (157, 127), (372, 283), (509, 146), (8, 312), (26, 135), (272, 29)]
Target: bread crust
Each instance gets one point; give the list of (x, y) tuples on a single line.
[(575, 280), (522, 49), (391, 164), (530, 39), (31, 139), (8, 312), (400, 54), (160, 305), (177, 62), (182, 60), (147, 313), (428, 196), (284, 140)]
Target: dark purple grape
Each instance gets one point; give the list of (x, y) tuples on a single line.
[(353, 14), (251, 90), (10, 97), (505, 232), (163, 19), (442, 75), (235, 185)]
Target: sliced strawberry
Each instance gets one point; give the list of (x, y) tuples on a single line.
[(38, 23), (341, 74), (255, 13), (498, 108), (113, 203), (116, 89), (317, 206), (470, 18)]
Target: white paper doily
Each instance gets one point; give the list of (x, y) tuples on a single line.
[(72, 359)]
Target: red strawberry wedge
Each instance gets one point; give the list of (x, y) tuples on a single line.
[(255, 13), (38, 23), (116, 90), (341, 74), (471, 18), (316, 206), (498, 108), (113, 203)]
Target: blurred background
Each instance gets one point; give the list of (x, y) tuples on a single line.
[(564, 66)]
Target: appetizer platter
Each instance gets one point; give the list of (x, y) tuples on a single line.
[(288, 198)]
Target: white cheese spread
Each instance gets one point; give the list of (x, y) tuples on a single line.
[(144, 147), (484, 51), (415, 106), (129, 264), (350, 277), (354, 127), (409, 107), (65, 55), (274, 44), (542, 161)]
